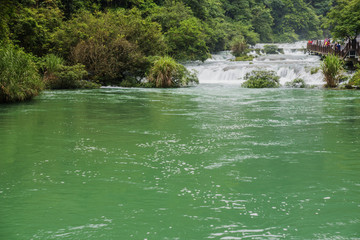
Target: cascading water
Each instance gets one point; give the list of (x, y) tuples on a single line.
[(293, 63)]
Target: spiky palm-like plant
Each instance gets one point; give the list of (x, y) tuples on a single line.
[(166, 72), (332, 68), (162, 72), (239, 47)]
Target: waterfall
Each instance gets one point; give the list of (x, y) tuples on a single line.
[(293, 63)]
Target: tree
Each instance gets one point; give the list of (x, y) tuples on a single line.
[(32, 27), (187, 42), (199, 7), (293, 20), (262, 22), (322, 7), (238, 10), (113, 46), (71, 7), (344, 19), (6, 12), (171, 15)]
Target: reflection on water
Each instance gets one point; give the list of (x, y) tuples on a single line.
[(215, 161)]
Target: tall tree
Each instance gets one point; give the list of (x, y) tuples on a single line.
[(344, 19), (7, 13), (262, 21), (322, 7)]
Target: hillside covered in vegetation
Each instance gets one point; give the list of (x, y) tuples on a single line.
[(185, 29), (118, 42)]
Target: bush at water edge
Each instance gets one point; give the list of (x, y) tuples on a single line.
[(19, 79), (261, 79)]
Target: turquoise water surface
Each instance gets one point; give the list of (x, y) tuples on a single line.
[(208, 162)]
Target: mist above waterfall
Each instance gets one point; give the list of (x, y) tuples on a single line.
[(293, 63)]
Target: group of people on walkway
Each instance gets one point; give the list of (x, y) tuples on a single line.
[(327, 43)]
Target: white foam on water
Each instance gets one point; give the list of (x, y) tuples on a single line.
[(294, 63)]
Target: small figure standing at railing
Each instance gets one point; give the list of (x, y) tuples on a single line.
[(327, 42)]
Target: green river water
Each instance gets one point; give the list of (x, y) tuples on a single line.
[(208, 162)]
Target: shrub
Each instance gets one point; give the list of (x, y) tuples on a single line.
[(19, 79), (59, 76), (110, 62), (130, 82), (51, 63), (355, 79), (332, 68), (166, 72), (271, 49), (296, 83), (261, 79), (84, 84), (69, 77), (127, 83), (239, 47)]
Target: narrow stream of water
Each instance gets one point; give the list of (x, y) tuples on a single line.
[(215, 161)]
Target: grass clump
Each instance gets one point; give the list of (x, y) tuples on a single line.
[(261, 79), (19, 79), (296, 83), (244, 58), (314, 70), (166, 72), (332, 69)]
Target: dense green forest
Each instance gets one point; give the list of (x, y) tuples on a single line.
[(184, 29), (118, 42)]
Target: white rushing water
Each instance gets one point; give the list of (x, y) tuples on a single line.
[(293, 63)]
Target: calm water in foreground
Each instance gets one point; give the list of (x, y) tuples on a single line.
[(210, 162)]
